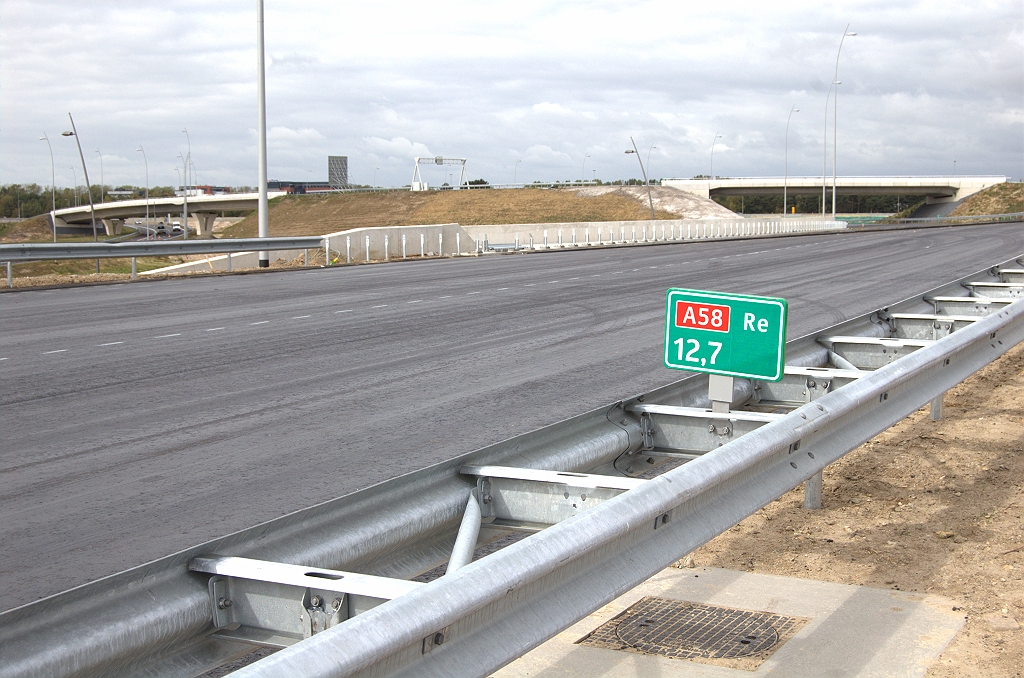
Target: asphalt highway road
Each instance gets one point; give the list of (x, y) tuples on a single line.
[(140, 419)]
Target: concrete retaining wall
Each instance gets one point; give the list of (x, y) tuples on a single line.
[(394, 242)]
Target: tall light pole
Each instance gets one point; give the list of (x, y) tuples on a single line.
[(75, 189), (717, 137), (101, 173), (53, 187), (261, 131), (649, 162), (835, 120), (146, 160), (644, 172), (785, 179), (184, 199), (583, 170), (88, 188)]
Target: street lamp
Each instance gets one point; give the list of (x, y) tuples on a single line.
[(88, 188), (53, 187), (101, 173), (184, 198), (835, 120), (146, 160), (261, 131), (717, 137), (75, 189), (644, 172), (583, 171), (785, 179)]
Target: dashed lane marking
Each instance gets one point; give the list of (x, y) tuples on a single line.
[(447, 296), (111, 343), (300, 317), (380, 306), (501, 289), (414, 301), (468, 293), (59, 350), (214, 329), (165, 336), (262, 322)]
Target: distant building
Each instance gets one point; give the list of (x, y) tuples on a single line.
[(337, 171), (299, 187)]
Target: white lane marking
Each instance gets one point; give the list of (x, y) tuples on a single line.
[(262, 322), (652, 267), (381, 306), (4, 358), (576, 278), (165, 336), (552, 282), (59, 350), (347, 310), (111, 343), (214, 329), (414, 301), (500, 289), (300, 317), (596, 275), (530, 284), (468, 293), (447, 296)]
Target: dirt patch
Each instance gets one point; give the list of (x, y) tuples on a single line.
[(928, 506), (679, 203), (34, 229), (1006, 198), (316, 215)]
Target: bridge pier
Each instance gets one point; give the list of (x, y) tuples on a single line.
[(112, 226), (204, 223)]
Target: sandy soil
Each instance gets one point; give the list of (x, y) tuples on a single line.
[(680, 204), (931, 507)]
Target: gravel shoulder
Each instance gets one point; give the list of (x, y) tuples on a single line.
[(931, 507)]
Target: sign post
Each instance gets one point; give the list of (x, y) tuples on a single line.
[(725, 335)]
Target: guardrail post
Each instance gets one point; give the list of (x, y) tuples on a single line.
[(134, 276), (403, 245), (385, 248), (305, 257), (531, 241), (348, 249), (423, 238), (367, 249), (812, 491), (440, 244), (10, 281), (458, 244), (936, 409)]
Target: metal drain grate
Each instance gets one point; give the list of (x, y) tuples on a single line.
[(683, 630)]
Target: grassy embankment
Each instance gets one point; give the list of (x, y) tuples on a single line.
[(1007, 198), (320, 214)]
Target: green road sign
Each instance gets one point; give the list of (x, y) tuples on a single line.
[(735, 335)]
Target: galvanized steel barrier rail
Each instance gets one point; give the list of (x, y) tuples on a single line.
[(150, 248), (331, 584)]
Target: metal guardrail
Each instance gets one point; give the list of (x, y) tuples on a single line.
[(316, 581), (149, 248)]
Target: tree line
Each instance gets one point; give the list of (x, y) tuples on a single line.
[(29, 200)]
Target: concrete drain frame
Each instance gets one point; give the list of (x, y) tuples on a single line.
[(707, 634)]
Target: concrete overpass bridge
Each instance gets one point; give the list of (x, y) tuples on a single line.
[(204, 208), (933, 189)]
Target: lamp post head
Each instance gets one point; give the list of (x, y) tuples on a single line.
[(630, 151), (67, 134), (851, 34), (42, 138)]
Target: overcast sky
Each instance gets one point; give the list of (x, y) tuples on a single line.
[(547, 83)]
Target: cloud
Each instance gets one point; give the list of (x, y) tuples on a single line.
[(922, 83)]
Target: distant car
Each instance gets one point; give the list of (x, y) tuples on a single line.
[(138, 221), (176, 228)]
